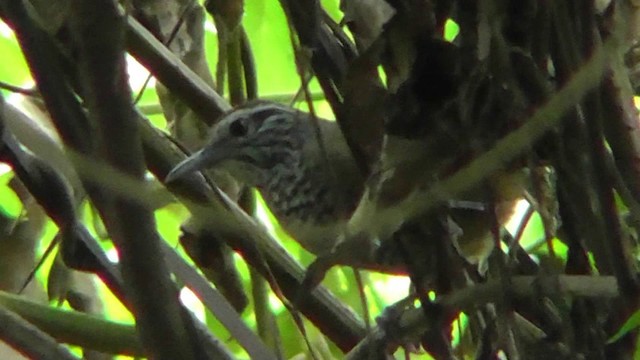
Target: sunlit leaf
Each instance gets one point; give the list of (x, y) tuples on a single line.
[(631, 324)]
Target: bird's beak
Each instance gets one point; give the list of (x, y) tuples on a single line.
[(208, 157)]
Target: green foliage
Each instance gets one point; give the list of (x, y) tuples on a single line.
[(270, 36), (10, 205), (271, 40), (14, 69), (631, 324)]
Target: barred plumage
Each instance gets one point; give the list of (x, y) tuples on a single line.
[(275, 149)]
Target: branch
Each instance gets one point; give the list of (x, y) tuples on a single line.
[(172, 73), (28, 340), (76, 328), (167, 332), (223, 217), (413, 322), (370, 218)]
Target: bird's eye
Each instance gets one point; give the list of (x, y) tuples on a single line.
[(237, 128)]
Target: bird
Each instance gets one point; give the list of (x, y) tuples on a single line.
[(307, 176), (302, 167)]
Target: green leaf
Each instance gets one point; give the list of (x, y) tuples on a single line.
[(631, 324), (14, 68)]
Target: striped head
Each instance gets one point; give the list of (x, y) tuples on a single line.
[(250, 142)]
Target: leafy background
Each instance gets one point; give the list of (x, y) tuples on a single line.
[(269, 35)]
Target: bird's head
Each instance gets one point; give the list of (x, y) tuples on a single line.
[(248, 142)]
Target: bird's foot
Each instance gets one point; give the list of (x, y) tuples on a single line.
[(358, 252)]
